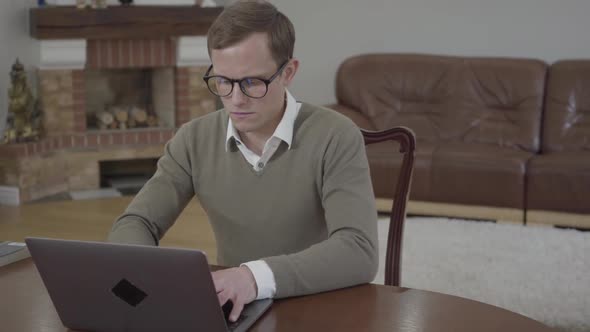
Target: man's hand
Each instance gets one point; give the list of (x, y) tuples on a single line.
[(236, 284)]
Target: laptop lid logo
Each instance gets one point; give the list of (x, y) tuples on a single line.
[(129, 293)]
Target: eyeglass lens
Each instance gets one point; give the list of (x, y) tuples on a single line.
[(252, 87)]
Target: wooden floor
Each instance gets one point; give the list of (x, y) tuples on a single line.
[(91, 220)]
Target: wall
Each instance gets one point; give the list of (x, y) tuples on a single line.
[(15, 42), (329, 31), (545, 29)]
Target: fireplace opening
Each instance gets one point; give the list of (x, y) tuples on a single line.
[(127, 176), (126, 99)]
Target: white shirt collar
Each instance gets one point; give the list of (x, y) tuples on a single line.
[(284, 130)]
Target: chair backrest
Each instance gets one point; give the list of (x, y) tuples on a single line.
[(407, 143)]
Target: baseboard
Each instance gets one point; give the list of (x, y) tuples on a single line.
[(552, 218), (500, 215), (9, 195)]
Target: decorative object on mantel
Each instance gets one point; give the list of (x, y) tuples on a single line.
[(24, 113), (204, 3), (99, 4), (95, 4), (207, 3)]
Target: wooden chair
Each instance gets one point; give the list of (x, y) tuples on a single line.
[(407, 142)]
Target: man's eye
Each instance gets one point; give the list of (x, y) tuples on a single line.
[(247, 81), (251, 82), (221, 80)]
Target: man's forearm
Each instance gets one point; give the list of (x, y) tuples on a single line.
[(343, 260), (132, 230), (155, 208)]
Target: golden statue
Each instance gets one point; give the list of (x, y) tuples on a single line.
[(24, 116)]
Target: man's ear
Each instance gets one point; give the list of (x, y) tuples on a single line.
[(290, 71)]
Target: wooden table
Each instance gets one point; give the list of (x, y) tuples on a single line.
[(26, 306)]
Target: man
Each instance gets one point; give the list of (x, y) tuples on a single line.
[(285, 185)]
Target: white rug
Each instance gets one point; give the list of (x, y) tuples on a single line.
[(540, 272)]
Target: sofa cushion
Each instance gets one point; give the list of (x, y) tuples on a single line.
[(399, 90), (559, 182), (478, 174), (442, 98), (385, 162), (499, 101), (566, 124)]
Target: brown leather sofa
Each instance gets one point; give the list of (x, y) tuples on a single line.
[(478, 128)]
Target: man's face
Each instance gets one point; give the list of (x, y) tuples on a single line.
[(252, 58)]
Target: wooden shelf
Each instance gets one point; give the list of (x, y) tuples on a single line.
[(121, 22)]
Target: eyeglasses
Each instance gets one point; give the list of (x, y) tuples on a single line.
[(253, 87)]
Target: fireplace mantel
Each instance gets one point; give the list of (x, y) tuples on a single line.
[(121, 22)]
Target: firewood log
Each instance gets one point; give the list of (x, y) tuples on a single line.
[(104, 120), (152, 121), (139, 115), (131, 122), (121, 114)]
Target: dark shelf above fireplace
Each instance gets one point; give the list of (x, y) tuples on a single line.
[(121, 22)]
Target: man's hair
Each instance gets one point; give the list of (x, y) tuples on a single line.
[(245, 17)]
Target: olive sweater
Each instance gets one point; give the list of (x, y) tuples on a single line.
[(309, 213)]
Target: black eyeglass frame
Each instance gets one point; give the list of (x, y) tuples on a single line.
[(267, 82)]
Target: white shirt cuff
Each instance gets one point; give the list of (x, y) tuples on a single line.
[(265, 279)]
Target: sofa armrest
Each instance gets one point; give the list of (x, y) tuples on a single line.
[(357, 117)]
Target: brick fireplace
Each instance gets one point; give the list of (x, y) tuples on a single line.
[(68, 156), (64, 92)]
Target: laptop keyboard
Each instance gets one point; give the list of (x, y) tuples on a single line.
[(232, 325), (227, 307)]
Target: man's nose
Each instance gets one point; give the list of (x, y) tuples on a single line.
[(237, 95)]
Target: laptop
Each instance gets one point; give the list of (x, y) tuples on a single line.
[(97, 286)]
